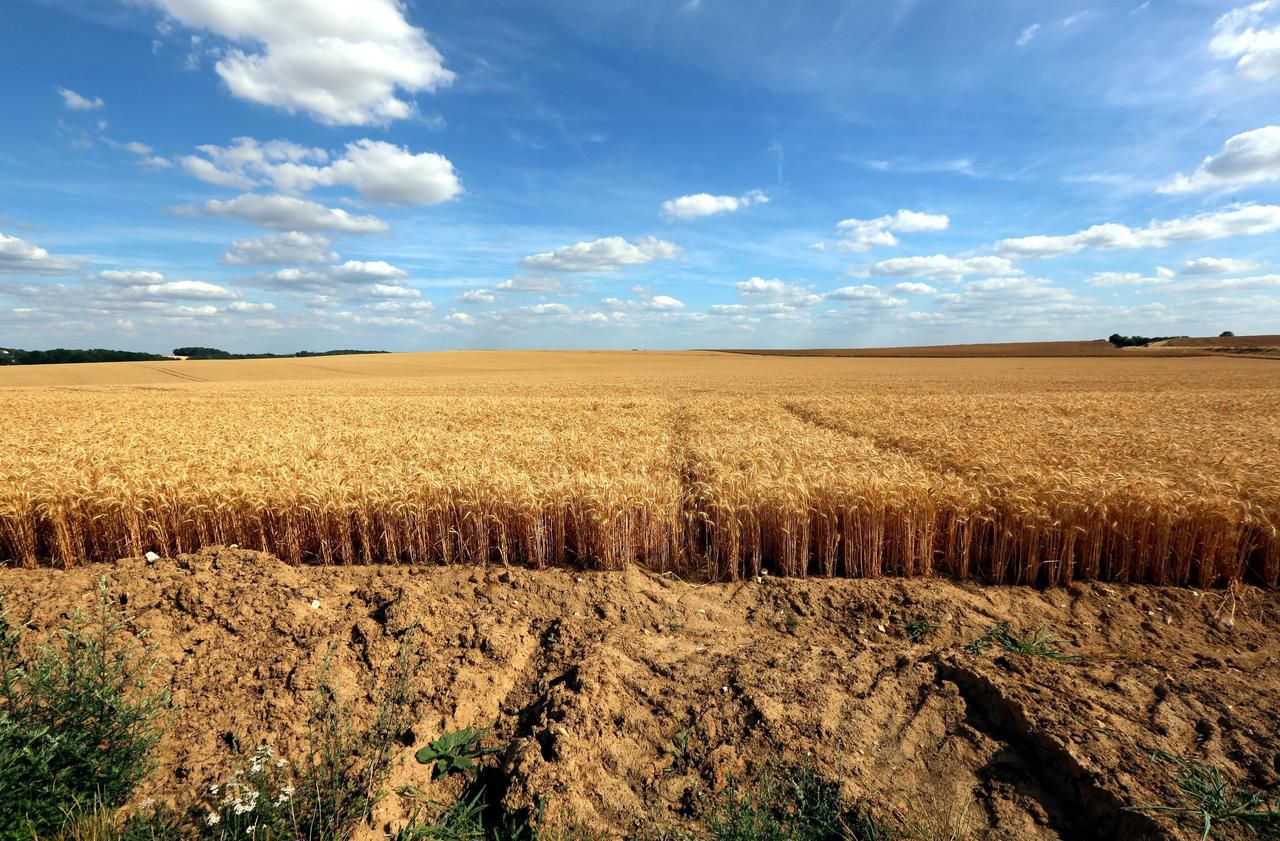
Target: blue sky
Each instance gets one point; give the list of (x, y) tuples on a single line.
[(288, 174)]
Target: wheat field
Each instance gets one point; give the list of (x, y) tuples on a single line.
[(721, 465)]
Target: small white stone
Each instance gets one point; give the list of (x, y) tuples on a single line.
[(578, 579), (315, 604), (151, 557), (880, 628), (724, 689)]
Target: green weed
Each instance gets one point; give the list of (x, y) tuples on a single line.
[(77, 721)]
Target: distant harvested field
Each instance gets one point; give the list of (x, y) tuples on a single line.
[(1101, 347), (719, 465), (1224, 342)]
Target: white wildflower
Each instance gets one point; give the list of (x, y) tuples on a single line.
[(246, 803), (147, 803), (212, 819)]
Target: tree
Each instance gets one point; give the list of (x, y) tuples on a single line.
[(1225, 334)]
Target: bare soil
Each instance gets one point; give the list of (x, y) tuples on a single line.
[(592, 678)]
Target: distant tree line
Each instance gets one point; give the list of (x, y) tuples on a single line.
[(1138, 341), (17, 356), (216, 353)]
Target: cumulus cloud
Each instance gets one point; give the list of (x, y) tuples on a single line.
[(602, 255), (646, 301), (864, 234), (938, 266), (288, 213), (1250, 220), (376, 278), (246, 307), (1028, 34), (759, 289), (477, 296), (340, 63), (131, 277), (1242, 35), (76, 102), (1250, 157), (866, 295), (377, 170), (1106, 279), (289, 247), (17, 256), (1263, 282), (533, 284), (1220, 265), (151, 285), (699, 205), (912, 288)]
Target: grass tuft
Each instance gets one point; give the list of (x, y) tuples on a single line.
[(1027, 643), (1214, 806)]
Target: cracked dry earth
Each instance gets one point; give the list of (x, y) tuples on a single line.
[(593, 678)]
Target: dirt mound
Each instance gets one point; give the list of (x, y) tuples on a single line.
[(626, 696)]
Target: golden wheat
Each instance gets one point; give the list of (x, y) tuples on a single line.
[(1028, 471)]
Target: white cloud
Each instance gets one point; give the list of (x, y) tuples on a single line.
[(17, 256), (289, 247), (387, 173), (1250, 220), (546, 309), (776, 290), (938, 266), (185, 290), (76, 102), (376, 277), (699, 205), (138, 148), (289, 213), (207, 172), (1236, 35), (913, 288), (246, 307), (644, 302), (149, 285), (341, 63), (459, 318), (533, 284), (478, 296), (1250, 157), (377, 170), (864, 234), (1270, 281), (383, 290), (1028, 34), (1220, 265), (131, 277), (1108, 279), (602, 255), (865, 295)]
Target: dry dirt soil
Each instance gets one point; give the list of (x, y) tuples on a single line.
[(592, 678)]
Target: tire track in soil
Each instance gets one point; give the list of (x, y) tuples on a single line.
[(1038, 766)]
